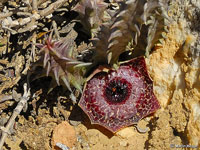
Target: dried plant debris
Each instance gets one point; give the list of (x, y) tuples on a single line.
[(67, 60)]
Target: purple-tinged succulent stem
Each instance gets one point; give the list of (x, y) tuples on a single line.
[(58, 59)]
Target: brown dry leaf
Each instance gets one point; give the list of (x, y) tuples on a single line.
[(63, 133)]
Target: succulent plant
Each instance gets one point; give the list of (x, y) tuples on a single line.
[(117, 94), (119, 98), (91, 13), (58, 58), (143, 21), (122, 95)]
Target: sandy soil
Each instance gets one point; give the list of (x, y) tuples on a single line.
[(176, 77)]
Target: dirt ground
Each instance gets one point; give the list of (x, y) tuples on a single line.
[(51, 117)]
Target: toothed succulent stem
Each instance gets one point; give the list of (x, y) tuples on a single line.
[(58, 58), (91, 13), (133, 18)]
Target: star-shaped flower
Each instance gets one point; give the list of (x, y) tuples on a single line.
[(119, 98)]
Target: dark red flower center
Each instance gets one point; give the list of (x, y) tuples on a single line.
[(119, 98), (117, 91)]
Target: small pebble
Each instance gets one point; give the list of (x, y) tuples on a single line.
[(62, 146), (74, 123), (123, 143)]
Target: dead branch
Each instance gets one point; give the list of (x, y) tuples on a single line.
[(33, 47), (29, 23), (52, 7), (22, 103), (34, 5), (14, 95), (4, 15), (55, 30)]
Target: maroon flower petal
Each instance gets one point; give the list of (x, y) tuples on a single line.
[(120, 97)]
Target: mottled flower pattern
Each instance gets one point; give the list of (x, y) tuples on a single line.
[(119, 98)]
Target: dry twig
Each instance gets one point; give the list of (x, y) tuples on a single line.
[(14, 95), (29, 23), (55, 29), (52, 7), (22, 103)]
